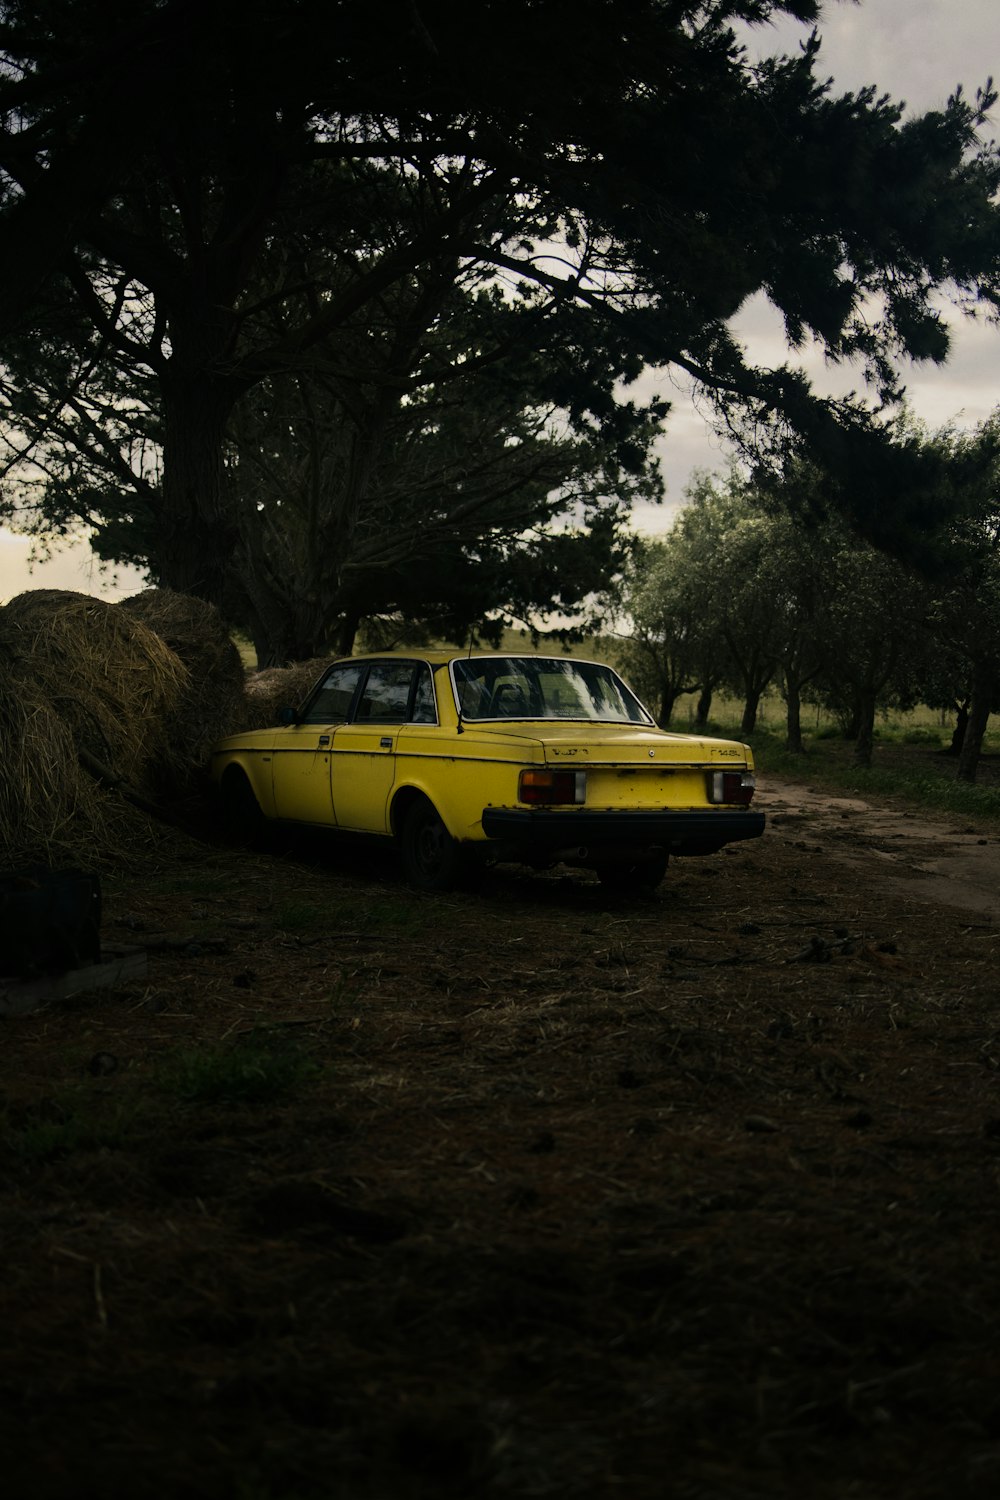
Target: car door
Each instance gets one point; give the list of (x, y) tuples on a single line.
[(302, 751), (394, 693)]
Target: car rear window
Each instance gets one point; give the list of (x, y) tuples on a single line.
[(530, 687)]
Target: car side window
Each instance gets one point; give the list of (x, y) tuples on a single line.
[(386, 695), (424, 708), (331, 704)]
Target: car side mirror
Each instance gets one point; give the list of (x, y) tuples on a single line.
[(287, 716)]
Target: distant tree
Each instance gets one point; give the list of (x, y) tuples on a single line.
[(771, 595), (728, 544), (870, 613), (965, 612), (751, 618), (945, 682), (700, 611), (662, 655), (795, 557)]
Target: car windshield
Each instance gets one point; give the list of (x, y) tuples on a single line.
[(543, 687)]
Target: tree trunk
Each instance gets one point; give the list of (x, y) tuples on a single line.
[(282, 650), (668, 697), (280, 644), (288, 618), (983, 690), (958, 733), (853, 724), (195, 537), (346, 634), (865, 739), (704, 706), (793, 718), (750, 707)]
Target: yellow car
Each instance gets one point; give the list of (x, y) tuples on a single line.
[(474, 757)]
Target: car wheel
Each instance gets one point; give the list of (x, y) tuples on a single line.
[(241, 811), (643, 873), (432, 859)]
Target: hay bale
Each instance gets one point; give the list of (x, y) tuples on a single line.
[(213, 701), (280, 687), (51, 811), (106, 675), (77, 674), (42, 788)]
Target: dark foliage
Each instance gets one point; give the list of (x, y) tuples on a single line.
[(628, 174)]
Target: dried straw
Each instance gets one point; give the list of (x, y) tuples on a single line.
[(280, 687), (78, 675), (213, 701)]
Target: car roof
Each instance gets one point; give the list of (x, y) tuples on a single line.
[(439, 655)]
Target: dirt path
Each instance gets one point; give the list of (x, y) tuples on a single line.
[(932, 859)]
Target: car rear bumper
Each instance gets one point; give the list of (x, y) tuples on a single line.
[(679, 832)]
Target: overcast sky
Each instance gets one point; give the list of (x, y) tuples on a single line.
[(914, 50)]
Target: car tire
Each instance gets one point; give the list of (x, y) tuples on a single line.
[(432, 859), (644, 873), (241, 812)]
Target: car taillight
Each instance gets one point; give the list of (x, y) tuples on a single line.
[(731, 786), (552, 786)]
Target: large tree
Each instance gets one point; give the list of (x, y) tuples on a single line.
[(449, 505), (407, 469), (627, 170)]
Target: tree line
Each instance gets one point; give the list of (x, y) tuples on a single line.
[(755, 587), (333, 315)]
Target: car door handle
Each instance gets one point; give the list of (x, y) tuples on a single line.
[(324, 739), (385, 743)]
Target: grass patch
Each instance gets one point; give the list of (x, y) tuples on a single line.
[(398, 913), (55, 1128), (257, 1069), (818, 723), (911, 773), (921, 736), (300, 916)]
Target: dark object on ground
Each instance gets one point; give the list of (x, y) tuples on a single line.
[(50, 921)]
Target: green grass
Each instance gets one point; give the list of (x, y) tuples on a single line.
[(257, 1069), (401, 914), (905, 765), (817, 722), (914, 774), (72, 1122), (300, 916)]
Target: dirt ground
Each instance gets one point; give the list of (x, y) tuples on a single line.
[(542, 1191), (947, 861)]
